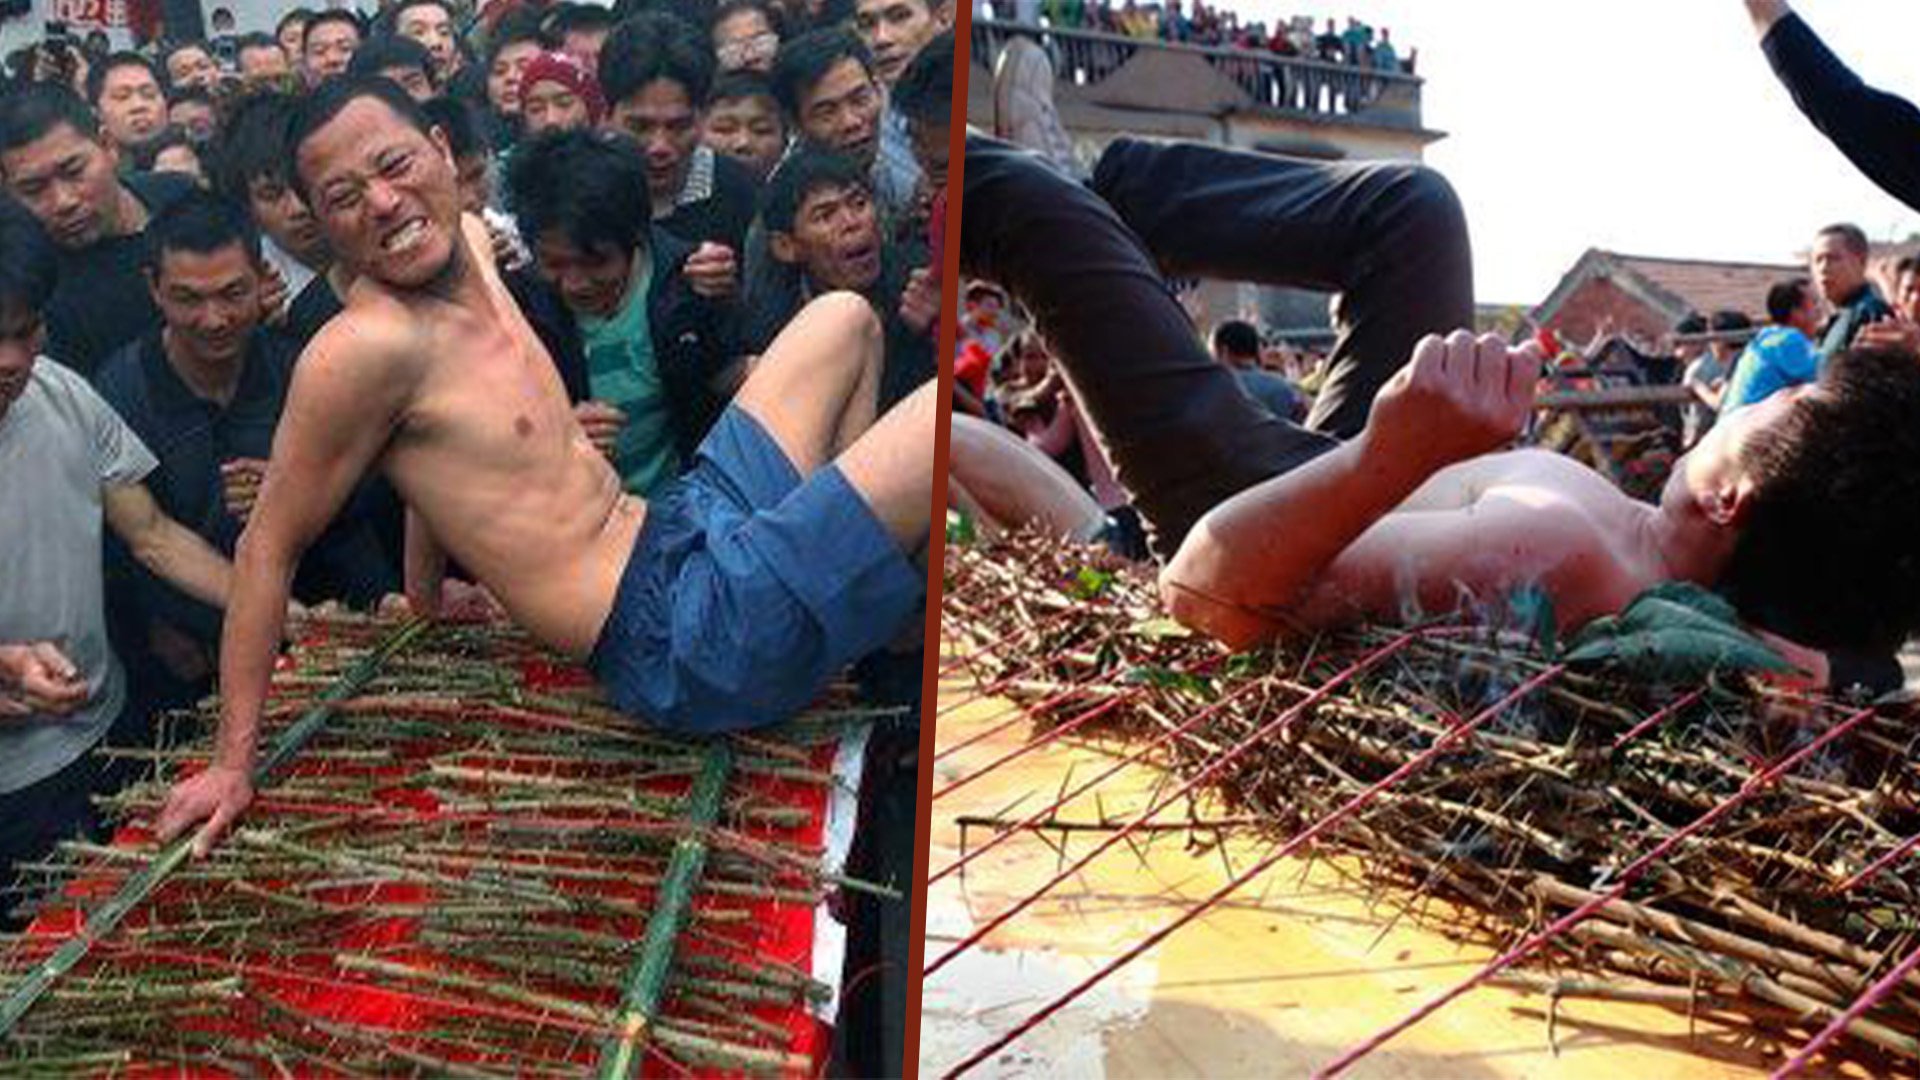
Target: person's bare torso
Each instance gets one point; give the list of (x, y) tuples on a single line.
[(1538, 478), (488, 453), (1542, 519)]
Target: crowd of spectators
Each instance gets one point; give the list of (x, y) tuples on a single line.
[(665, 184), (1356, 45), (1729, 363)]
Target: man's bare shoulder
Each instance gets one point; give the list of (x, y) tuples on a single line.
[(374, 331), (365, 361)]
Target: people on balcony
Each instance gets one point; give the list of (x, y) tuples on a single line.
[(1359, 45)]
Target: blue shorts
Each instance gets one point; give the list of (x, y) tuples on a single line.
[(749, 589)]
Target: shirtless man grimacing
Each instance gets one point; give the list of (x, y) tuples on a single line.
[(726, 601)]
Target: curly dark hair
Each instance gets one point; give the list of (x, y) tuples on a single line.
[(1829, 554), (579, 185), (652, 46)]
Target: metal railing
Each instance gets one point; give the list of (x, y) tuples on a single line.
[(1085, 58)]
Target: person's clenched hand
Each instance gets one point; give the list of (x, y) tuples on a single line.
[(1460, 397), (602, 423), (712, 271), (37, 677)]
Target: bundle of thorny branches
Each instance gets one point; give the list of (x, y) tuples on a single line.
[(453, 877), (1783, 912)]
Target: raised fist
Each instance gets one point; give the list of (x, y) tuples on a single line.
[(1458, 398)]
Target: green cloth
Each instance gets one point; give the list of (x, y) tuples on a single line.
[(622, 372)]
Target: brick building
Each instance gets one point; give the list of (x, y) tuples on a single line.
[(1641, 297)]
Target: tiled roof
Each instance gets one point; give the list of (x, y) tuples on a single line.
[(1707, 287)]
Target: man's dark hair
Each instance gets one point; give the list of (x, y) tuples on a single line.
[(303, 16), (390, 18), (576, 18), (652, 46), (253, 145), (767, 9), (698, 14), (97, 78), (458, 120), (805, 60), (146, 156), (172, 50), (388, 51), (1829, 553), (1729, 320), (28, 114), (343, 16), (579, 185), (318, 109), (805, 171), (924, 94), (189, 94), (735, 85), (1786, 297), (26, 259), (516, 27), (1236, 337), (1909, 264), (1850, 235), (200, 223), (255, 40)]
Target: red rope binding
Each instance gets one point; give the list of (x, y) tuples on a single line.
[(1753, 786), (1440, 746)]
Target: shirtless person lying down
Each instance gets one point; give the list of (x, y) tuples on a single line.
[(1803, 510), (726, 601)]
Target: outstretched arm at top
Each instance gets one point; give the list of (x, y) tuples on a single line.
[(1877, 131), (1250, 569), (1767, 12), (347, 396)]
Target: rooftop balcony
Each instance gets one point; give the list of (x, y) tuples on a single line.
[(1098, 72)]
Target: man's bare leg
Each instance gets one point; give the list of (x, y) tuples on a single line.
[(817, 388), (1015, 485), (891, 467)]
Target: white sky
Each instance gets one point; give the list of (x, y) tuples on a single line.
[(1650, 128)]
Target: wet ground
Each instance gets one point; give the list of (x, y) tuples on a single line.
[(1282, 978)]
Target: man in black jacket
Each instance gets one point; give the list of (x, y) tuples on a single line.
[(1878, 131), (57, 162), (205, 391)]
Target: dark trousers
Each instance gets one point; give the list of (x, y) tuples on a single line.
[(36, 818), (1091, 265)]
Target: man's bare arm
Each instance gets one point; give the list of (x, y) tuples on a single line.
[(348, 394), (174, 553), (1767, 12), (1250, 563)]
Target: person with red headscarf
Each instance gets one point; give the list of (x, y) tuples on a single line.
[(558, 93)]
